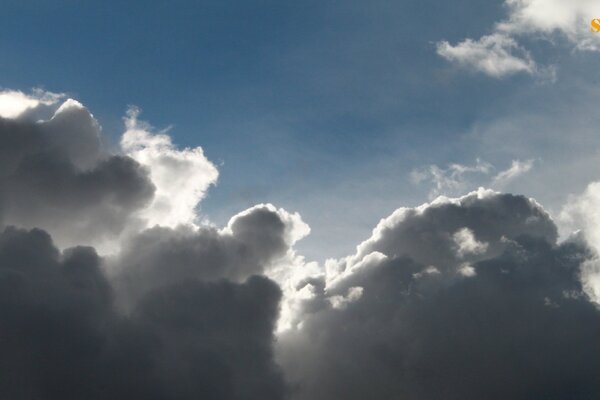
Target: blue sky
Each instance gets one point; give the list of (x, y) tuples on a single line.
[(327, 108)]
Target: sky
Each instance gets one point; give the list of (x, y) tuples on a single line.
[(303, 200), (320, 107)]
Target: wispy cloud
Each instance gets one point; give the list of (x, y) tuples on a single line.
[(516, 169), (499, 54), (496, 55)]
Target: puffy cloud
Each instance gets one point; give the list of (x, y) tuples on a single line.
[(499, 54), (570, 18), (198, 321), (467, 297), (467, 244), (496, 55), (512, 322), (181, 177), (253, 242), (429, 233), (581, 214), (57, 175), (14, 103), (62, 337)]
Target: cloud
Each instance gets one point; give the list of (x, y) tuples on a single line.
[(181, 177), (581, 214), (517, 168), (62, 337), (252, 243), (173, 312), (569, 18), (462, 297), (496, 55), (499, 54), (57, 175), (434, 321), (14, 103), (456, 178), (467, 244), (451, 180)]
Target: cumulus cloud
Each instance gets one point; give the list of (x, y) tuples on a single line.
[(513, 322), (569, 18), (499, 54), (56, 174), (181, 177), (581, 214), (14, 103), (463, 297), (253, 242), (176, 313), (62, 337)]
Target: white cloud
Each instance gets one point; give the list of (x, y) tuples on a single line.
[(583, 212), (181, 177), (467, 243), (517, 168), (499, 54), (571, 18), (456, 178), (496, 55), (14, 103), (341, 302), (581, 215), (452, 180)]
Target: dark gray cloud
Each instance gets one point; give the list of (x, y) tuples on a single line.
[(160, 256), (199, 321), (430, 235), (458, 299), (56, 174), (61, 337), (517, 326)]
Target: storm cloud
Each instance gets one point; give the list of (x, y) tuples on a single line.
[(56, 174), (416, 315), (62, 337), (459, 298)]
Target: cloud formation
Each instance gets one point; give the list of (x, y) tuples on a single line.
[(176, 311), (56, 174), (462, 297), (181, 177), (62, 337), (499, 53), (457, 178), (496, 55)]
